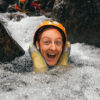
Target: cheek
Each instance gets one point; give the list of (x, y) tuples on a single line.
[(60, 49), (43, 49)]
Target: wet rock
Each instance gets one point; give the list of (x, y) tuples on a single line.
[(15, 16), (3, 6), (46, 5), (9, 48), (81, 19)]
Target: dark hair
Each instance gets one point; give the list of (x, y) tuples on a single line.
[(42, 29)]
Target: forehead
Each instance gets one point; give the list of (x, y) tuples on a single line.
[(51, 33)]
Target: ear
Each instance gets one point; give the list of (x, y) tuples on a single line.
[(37, 45)]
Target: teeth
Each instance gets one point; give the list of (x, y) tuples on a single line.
[(51, 55)]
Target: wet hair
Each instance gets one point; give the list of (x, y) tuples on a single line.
[(41, 30)]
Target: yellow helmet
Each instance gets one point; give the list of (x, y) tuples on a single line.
[(23, 1), (50, 23)]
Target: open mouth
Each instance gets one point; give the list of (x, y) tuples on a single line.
[(51, 55), (51, 58)]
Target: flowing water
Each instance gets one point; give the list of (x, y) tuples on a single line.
[(81, 81)]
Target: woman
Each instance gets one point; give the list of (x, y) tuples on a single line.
[(50, 46)]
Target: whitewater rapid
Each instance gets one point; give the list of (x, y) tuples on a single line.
[(79, 82)]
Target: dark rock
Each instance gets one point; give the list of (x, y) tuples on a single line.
[(81, 19), (9, 48), (4, 5), (15, 16), (47, 5)]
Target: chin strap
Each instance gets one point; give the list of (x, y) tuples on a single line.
[(39, 63)]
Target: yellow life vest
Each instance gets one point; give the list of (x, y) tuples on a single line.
[(39, 62)]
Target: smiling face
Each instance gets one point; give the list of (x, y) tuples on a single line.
[(50, 45)]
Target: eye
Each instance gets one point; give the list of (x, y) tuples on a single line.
[(58, 42), (46, 42)]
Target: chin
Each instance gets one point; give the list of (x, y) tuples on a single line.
[(51, 65)]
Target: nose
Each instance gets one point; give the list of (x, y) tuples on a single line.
[(53, 46)]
